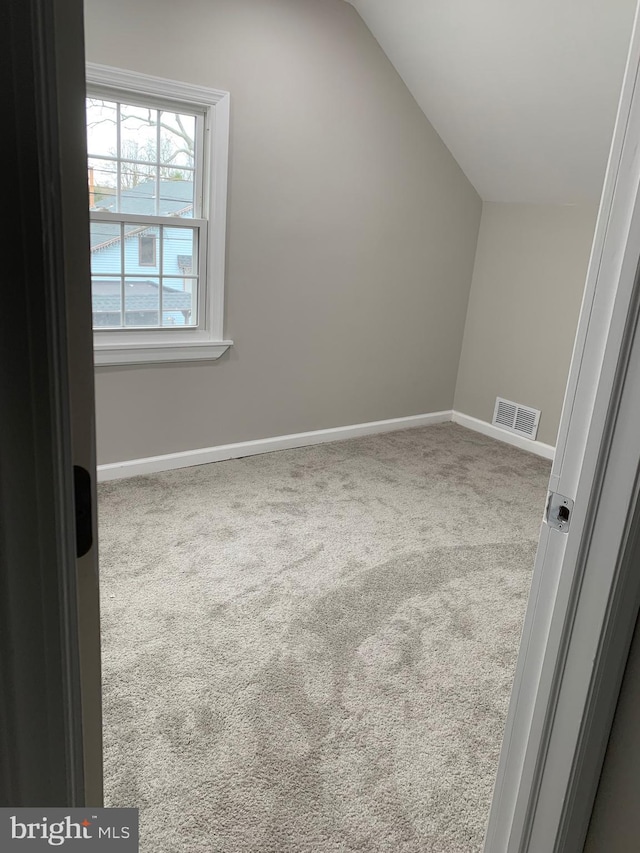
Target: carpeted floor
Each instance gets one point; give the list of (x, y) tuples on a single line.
[(312, 650)]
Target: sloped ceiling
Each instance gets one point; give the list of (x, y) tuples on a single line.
[(523, 92)]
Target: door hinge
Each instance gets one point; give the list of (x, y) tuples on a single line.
[(559, 511)]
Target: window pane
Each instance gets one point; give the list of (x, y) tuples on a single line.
[(176, 192), (106, 299), (141, 249), (142, 162), (138, 188), (179, 301), (103, 179), (102, 127), (179, 251), (177, 135), (138, 133), (142, 301), (106, 256)]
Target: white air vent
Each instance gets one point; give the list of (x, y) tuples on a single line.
[(516, 418)]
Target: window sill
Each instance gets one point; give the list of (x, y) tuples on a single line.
[(106, 353)]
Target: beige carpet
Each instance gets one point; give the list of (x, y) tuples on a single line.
[(312, 650)]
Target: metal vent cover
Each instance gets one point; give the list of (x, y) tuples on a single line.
[(523, 420)]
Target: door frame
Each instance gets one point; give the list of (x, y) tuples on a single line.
[(50, 721), (585, 595)]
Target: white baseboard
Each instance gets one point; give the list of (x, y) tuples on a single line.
[(153, 464), (521, 441), (187, 458)]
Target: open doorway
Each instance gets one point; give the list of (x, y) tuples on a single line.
[(292, 640)]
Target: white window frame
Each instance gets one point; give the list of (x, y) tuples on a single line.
[(206, 341)]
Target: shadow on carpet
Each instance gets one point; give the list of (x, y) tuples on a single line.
[(312, 650)]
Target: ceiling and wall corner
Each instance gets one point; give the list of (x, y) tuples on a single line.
[(524, 95)]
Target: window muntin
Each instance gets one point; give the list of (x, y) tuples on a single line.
[(145, 180)]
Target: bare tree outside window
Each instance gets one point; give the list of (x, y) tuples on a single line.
[(129, 146)]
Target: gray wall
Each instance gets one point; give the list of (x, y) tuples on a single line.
[(528, 282), (351, 235), (615, 822)]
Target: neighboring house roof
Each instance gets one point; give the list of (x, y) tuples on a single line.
[(175, 198), (140, 295)]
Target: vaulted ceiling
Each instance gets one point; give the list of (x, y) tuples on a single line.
[(523, 92)]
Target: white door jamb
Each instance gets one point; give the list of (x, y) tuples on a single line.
[(584, 597)]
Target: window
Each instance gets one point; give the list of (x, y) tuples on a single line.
[(157, 173), (147, 250)]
